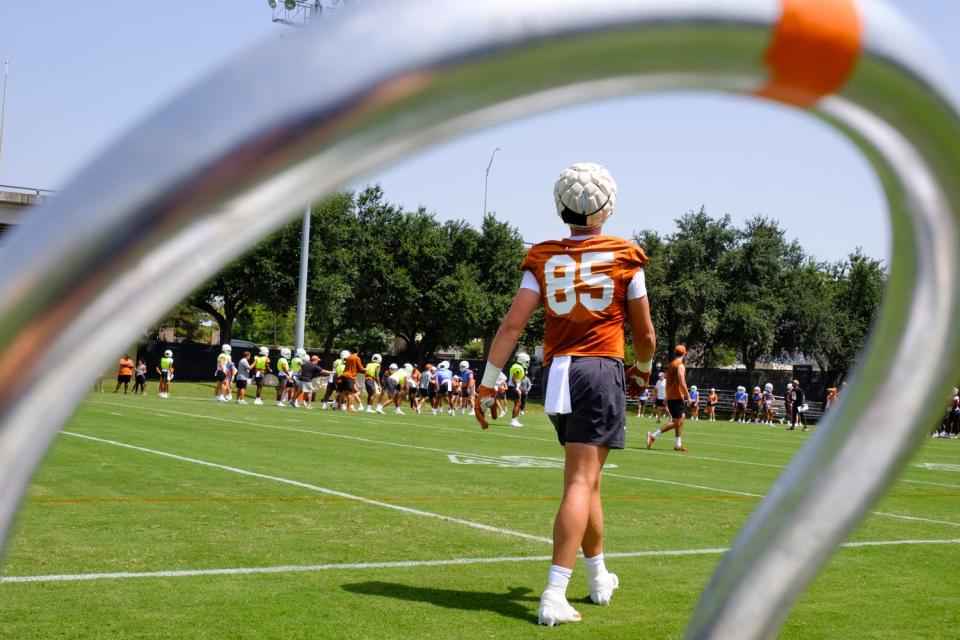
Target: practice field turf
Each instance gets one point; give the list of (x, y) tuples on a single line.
[(184, 518)]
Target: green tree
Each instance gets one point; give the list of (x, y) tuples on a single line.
[(260, 276), (857, 286), (496, 264), (685, 281), (762, 259)]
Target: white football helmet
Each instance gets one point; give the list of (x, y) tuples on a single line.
[(264, 351), (464, 365), (226, 348), (285, 352), (302, 353), (741, 389), (693, 388), (344, 354), (523, 359), (768, 387), (789, 386), (585, 194), (408, 367), (444, 365), (393, 366), (168, 354), (377, 358)]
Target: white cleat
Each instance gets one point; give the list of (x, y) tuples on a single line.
[(369, 409), (279, 403), (379, 410), (554, 609), (258, 401), (219, 398), (515, 423), (602, 588), (241, 402), (398, 412)]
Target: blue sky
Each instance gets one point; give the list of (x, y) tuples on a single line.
[(84, 72)]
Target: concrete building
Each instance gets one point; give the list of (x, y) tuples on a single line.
[(14, 202)]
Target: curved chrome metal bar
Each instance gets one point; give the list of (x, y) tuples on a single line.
[(238, 155)]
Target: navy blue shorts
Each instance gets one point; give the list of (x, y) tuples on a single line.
[(598, 401)]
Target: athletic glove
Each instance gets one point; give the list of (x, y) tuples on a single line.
[(486, 399), (636, 377)]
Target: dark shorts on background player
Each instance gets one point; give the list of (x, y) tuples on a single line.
[(346, 384), (124, 378), (241, 383), (467, 393), (658, 402), (512, 393), (370, 386), (390, 385), (220, 376), (676, 409), (598, 401)]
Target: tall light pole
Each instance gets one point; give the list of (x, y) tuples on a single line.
[(487, 180), (297, 13), (3, 107)]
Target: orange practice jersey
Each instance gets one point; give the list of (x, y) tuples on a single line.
[(583, 284), (352, 365), (675, 391)]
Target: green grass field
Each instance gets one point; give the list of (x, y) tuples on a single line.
[(368, 526)]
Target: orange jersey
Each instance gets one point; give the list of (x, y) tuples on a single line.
[(125, 368), (675, 390), (351, 366), (583, 284)]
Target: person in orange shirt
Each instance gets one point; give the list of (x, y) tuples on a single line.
[(347, 386), (712, 400), (677, 398), (124, 373), (590, 285)]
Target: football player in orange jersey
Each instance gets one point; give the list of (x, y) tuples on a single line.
[(677, 398), (590, 285)]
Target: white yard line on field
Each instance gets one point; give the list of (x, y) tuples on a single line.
[(404, 564), (461, 453), (607, 474), (313, 487), (915, 518)]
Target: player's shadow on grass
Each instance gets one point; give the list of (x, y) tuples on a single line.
[(514, 603)]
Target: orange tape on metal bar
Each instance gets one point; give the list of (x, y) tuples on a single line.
[(814, 50)]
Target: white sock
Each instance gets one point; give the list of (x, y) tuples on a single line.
[(679, 442), (558, 578), (595, 566), (657, 433)]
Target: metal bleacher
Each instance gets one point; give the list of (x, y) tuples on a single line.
[(725, 405)]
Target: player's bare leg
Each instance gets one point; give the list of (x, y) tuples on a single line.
[(580, 502), (675, 424)]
